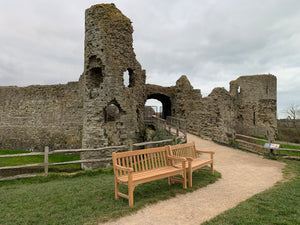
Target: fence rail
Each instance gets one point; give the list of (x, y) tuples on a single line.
[(251, 144), (46, 163), (46, 154), (152, 142), (174, 125)]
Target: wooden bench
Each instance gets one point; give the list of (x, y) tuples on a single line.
[(140, 166), (193, 163)]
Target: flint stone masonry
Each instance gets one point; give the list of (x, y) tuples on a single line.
[(248, 108), (114, 110), (106, 106), (256, 99), (35, 116)]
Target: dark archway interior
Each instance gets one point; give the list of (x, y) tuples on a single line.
[(166, 103)]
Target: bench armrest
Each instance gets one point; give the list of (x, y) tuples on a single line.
[(210, 152), (200, 151), (182, 159), (123, 168), (176, 158), (189, 159)]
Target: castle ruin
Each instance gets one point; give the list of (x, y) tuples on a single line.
[(101, 109)]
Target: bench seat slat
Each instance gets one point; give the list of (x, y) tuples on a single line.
[(196, 163), (150, 175)]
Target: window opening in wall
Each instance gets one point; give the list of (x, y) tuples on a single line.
[(112, 113), (95, 72), (96, 77), (254, 119), (267, 89), (126, 78), (129, 78), (239, 90)]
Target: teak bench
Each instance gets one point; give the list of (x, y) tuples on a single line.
[(140, 166), (193, 163)]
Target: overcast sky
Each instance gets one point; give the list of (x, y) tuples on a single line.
[(210, 41)]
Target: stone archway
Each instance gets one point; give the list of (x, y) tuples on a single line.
[(162, 94), (166, 103)]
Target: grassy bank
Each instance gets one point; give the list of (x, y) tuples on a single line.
[(87, 197), (278, 205), (22, 160)]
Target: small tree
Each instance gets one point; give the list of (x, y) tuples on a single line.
[(293, 113)]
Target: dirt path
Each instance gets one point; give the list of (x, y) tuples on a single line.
[(243, 175)]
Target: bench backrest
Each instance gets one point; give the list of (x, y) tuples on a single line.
[(142, 160), (183, 150)]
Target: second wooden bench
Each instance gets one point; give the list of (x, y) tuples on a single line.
[(194, 162)]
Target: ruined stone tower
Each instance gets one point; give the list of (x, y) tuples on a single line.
[(255, 99), (114, 107)]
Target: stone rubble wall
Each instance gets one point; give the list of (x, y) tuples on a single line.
[(113, 109), (35, 116), (208, 117), (248, 108), (255, 98)]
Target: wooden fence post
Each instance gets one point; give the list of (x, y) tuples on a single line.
[(175, 140), (130, 145), (185, 132), (233, 138), (46, 160)]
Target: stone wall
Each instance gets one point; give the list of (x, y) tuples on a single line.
[(114, 81), (208, 117), (34, 116), (255, 98), (248, 108)]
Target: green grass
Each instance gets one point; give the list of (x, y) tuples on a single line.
[(278, 205), (23, 160), (85, 198)]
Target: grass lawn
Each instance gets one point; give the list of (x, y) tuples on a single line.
[(84, 198), (22, 160), (278, 205)]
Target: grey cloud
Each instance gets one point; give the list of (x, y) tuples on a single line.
[(212, 42)]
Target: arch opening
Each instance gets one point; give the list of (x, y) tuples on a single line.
[(164, 109)]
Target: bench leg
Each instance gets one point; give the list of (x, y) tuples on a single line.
[(130, 190), (117, 188), (184, 181), (171, 180), (130, 195), (190, 177)]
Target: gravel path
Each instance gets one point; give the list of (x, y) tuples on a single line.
[(243, 175)]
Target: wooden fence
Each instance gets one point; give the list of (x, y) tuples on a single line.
[(174, 125), (46, 154), (256, 145), (46, 163)]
